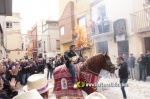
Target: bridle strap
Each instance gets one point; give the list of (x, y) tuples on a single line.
[(90, 70)]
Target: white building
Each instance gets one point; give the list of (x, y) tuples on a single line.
[(123, 27), (50, 39), (14, 36)]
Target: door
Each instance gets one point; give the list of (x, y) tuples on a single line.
[(147, 44), (147, 47)]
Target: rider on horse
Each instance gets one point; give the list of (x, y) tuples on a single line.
[(68, 55)]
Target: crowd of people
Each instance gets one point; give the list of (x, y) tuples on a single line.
[(14, 73), (143, 63)]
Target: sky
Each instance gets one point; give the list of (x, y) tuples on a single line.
[(33, 11)]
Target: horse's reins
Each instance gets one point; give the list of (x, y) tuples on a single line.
[(90, 70)]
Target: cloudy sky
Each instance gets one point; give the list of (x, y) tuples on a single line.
[(35, 10)]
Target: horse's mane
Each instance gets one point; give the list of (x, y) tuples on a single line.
[(93, 62)]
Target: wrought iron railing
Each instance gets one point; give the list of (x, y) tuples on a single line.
[(140, 21)]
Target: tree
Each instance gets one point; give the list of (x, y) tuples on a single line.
[(82, 39)]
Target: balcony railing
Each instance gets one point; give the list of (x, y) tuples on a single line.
[(103, 27), (140, 21)]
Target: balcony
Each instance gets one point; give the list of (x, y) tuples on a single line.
[(102, 32), (140, 21)]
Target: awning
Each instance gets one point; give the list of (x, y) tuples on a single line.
[(6, 7)]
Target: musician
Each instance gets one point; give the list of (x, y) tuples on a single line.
[(68, 55)]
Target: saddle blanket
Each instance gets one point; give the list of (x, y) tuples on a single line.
[(63, 81)]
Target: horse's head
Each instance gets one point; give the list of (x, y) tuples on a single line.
[(107, 64), (98, 62)]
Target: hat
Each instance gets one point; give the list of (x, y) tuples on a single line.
[(33, 94), (38, 82), (95, 95), (131, 53), (141, 53)]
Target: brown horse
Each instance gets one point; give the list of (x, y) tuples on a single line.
[(92, 66)]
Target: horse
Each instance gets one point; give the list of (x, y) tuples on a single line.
[(87, 72)]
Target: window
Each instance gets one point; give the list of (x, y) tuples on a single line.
[(102, 47), (58, 44), (98, 10), (81, 22), (45, 27), (62, 30), (8, 24)]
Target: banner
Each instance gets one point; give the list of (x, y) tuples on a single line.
[(120, 30)]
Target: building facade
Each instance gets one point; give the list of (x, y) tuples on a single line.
[(50, 39), (120, 28), (33, 39), (5, 10), (14, 36), (72, 15)]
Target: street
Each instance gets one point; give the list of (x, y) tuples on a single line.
[(135, 89)]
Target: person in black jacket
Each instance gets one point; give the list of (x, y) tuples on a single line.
[(68, 58), (142, 65), (123, 74), (49, 69), (3, 94), (148, 62), (25, 71), (33, 68), (40, 64)]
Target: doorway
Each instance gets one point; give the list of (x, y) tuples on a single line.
[(123, 48), (147, 47), (147, 43)]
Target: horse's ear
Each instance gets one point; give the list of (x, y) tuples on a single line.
[(106, 53)]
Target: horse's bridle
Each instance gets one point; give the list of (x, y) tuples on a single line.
[(89, 69), (108, 63)]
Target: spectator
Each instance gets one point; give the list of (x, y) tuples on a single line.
[(8, 86), (131, 63), (148, 62), (38, 82), (25, 71), (142, 66), (49, 69), (33, 94), (33, 68), (92, 26), (3, 94)]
